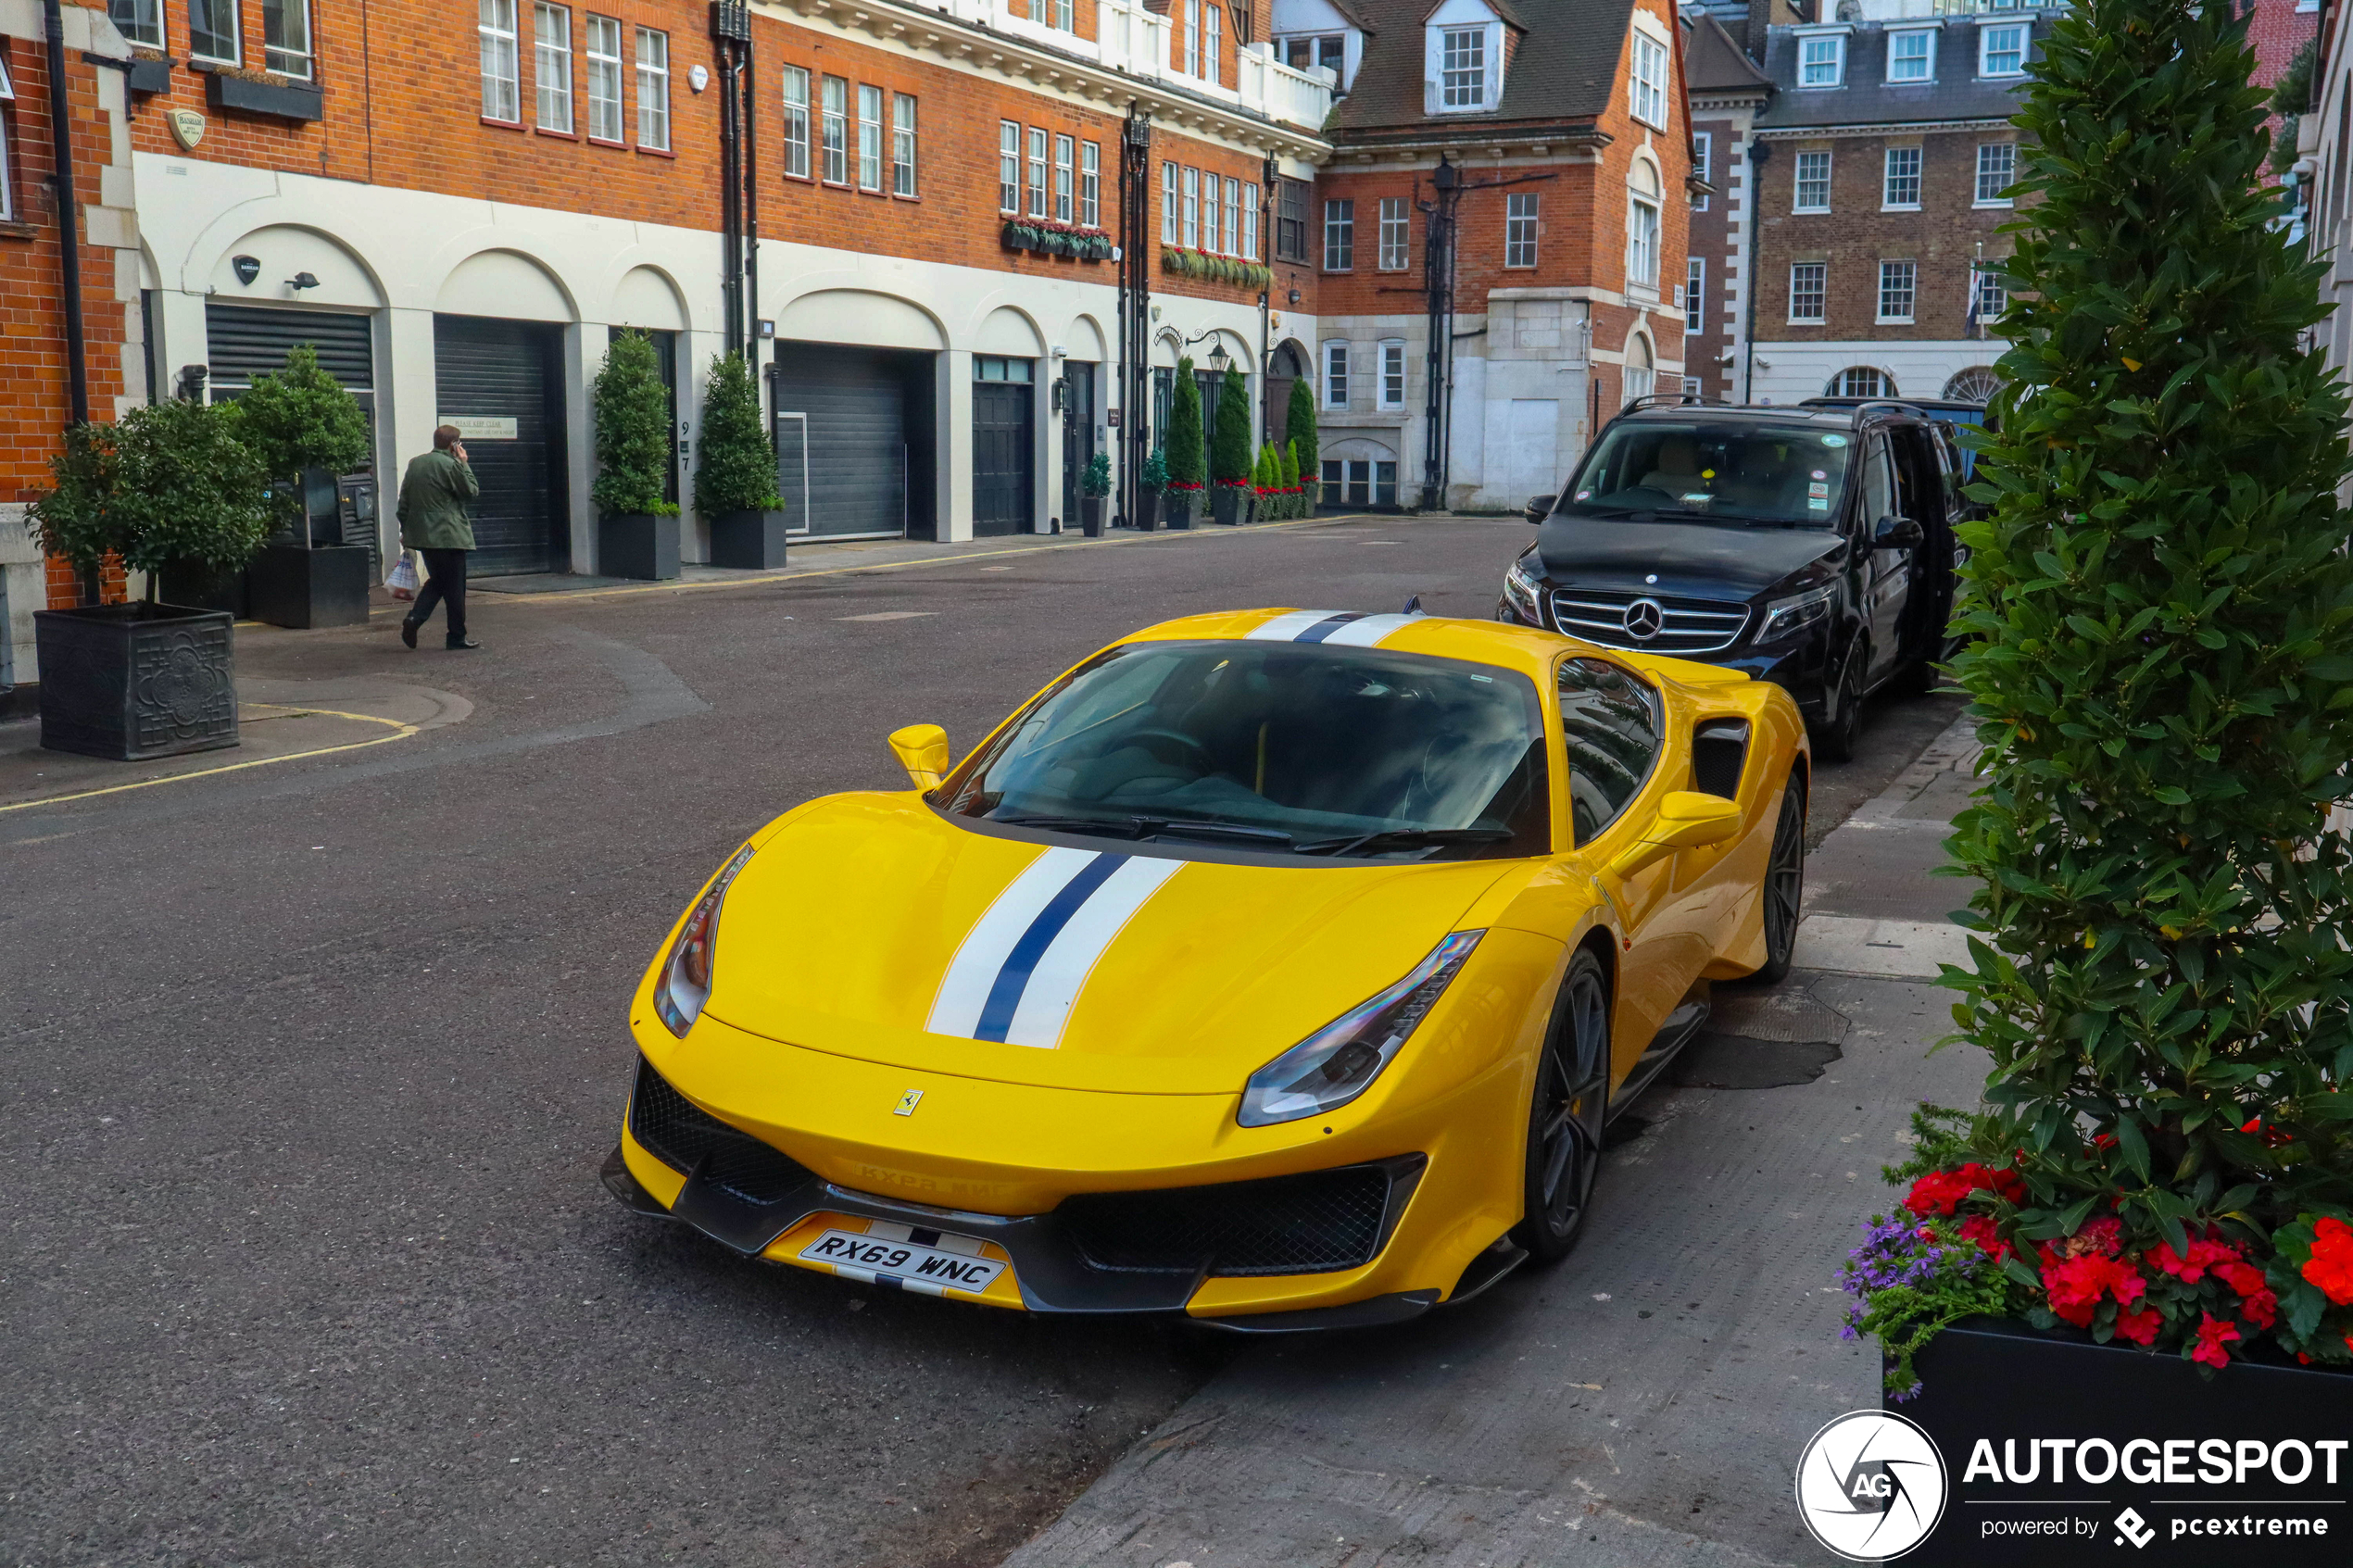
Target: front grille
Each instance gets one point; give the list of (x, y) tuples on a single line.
[(1287, 1225), (1686, 626), (669, 1127)]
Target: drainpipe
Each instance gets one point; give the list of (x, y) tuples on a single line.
[(69, 237), (1752, 192)]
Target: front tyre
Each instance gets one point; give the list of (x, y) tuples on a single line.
[(1784, 884), (1836, 741), (1565, 1115)]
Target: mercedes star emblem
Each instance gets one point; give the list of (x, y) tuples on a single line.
[(1643, 618)]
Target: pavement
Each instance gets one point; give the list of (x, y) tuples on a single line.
[(314, 1060)]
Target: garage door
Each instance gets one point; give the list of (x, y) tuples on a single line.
[(246, 341), (842, 437), (498, 381)]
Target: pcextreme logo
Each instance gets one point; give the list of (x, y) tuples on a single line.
[(1870, 1486)]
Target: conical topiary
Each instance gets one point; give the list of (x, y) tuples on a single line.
[(633, 430), (734, 465), (1229, 447), (2163, 676), (1303, 441), (1187, 461)]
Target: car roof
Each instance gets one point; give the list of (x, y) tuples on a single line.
[(1761, 413)]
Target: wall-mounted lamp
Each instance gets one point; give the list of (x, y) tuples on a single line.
[(302, 281), (1294, 299), (247, 267), (1219, 361), (767, 328), (191, 380)]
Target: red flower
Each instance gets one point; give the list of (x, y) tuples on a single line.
[(2204, 1255), (2139, 1325), (1940, 1192), (2331, 1266), (2212, 1335), (1979, 1228), (2074, 1286)]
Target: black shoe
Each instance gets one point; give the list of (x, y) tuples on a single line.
[(454, 643), (409, 632)]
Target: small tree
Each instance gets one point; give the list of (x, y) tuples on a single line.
[(1154, 475), (1305, 450), (633, 430), (1185, 458), (298, 420), (170, 483), (736, 469), (1288, 454), (1096, 480), (1230, 451)]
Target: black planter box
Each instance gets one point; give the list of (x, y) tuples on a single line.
[(135, 680), (638, 545), (1176, 507), (1225, 504), (308, 589), (286, 100), (750, 541), (1090, 516), (195, 585), (2000, 1384), (1146, 511)]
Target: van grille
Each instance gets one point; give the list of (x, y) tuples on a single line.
[(1686, 626)]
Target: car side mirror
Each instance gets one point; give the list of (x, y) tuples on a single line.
[(921, 750), (1897, 533), (1687, 820), (1539, 508)]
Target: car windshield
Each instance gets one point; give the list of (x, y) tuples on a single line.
[(1701, 470), (1276, 747)]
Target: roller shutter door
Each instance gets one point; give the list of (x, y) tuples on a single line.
[(843, 413), (499, 379)]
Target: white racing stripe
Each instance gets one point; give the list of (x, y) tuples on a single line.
[(1059, 975), (963, 991), (1290, 624), (1369, 631)]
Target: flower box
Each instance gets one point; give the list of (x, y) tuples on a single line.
[(1047, 237), (284, 99)]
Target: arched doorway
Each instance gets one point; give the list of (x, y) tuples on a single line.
[(1285, 368), (1641, 375), (1976, 384)]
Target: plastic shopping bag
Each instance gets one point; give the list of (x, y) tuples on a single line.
[(402, 580)]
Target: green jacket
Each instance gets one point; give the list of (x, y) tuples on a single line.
[(433, 503)]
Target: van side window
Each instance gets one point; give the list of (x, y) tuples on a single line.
[(1611, 722)]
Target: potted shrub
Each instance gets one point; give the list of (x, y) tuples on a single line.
[(306, 429), (1188, 464), (736, 472), (637, 530), (171, 483), (1295, 494), (2155, 1209), (1151, 479), (1093, 485), (1231, 455), (1306, 460)]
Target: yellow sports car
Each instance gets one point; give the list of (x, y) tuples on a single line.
[(1280, 967)]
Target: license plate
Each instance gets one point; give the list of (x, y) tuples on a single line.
[(913, 1259)]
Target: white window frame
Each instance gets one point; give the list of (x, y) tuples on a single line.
[(1190, 178), (1009, 167), (1066, 16), (1396, 235), (1192, 38), (1233, 215), (2009, 173), (1820, 292), (1926, 60), (139, 21), (1334, 380), (795, 90), (1646, 80), (1991, 295), (1899, 284), (834, 111), (1339, 233), (1039, 147), (1313, 46), (1390, 387), (1821, 59), (902, 145), (1214, 42), (284, 57), (1798, 182), (1210, 241), (600, 46), (1171, 227), (501, 66), (237, 39), (1523, 221), (653, 89), (551, 65), (2018, 39), (1091, 185), (1462, 67), (1641, 243), (1694, 291), (869, 138), (8, 173), (1889, 190), (1250, 223), (1066, 178), (1703, 164)]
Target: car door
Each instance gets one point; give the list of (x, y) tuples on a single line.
[(1887, 580)]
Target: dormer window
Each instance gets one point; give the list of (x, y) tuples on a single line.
[(1821, 59), (2001, 49), (1647, 81), (1911, 57), (1463, 68)]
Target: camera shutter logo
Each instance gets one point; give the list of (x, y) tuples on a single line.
[(1643, 618), (1870, 1486)]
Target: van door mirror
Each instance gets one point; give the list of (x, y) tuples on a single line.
[(1897, 533), (1539, 508), (921, 750)]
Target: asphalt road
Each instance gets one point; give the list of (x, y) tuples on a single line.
[(313, 1064)]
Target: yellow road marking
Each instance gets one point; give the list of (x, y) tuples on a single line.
[(401, 731)]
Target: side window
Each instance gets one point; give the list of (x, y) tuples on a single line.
[(1912, 464), (1879, 487), (1610, 723)]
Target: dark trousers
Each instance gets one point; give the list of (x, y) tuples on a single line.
[(446, 586)]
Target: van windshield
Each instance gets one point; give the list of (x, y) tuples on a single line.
[(1680, 471)]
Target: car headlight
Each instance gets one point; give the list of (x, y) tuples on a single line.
[(1524, 593), (1784, 616), (1340, 1061), (685, 984)]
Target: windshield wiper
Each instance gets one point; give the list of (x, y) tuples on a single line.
[(1071, 825), (1406, 838), (1148, 827)]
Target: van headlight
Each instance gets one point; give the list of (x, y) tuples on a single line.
[(1797, 612), (1524, 593)]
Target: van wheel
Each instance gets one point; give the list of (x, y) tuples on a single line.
[(1835, 741)]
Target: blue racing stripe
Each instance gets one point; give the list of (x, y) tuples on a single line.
[(1004, 997), (1327, 626)]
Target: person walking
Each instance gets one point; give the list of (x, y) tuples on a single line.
[(433, 494)]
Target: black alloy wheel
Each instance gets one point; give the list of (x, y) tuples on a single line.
[(1836, 740), (1784, 884), (1565, 1115)]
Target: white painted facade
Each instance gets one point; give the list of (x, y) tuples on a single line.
[(1789, 372)]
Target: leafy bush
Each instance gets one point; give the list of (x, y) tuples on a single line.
[(1154, 475), (1230, 451), (736, 469), (170, 483), (1305, 451), (633, 430), (1187, 461), (1096, 480), (2162, 674), (301, 418)]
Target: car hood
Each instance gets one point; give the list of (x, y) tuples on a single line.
[(871, 927), (1701, 560)]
